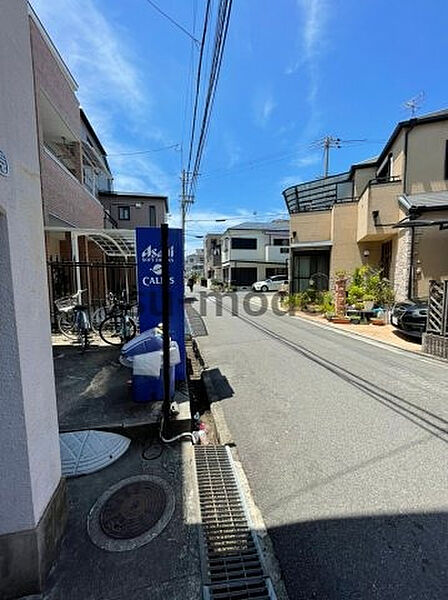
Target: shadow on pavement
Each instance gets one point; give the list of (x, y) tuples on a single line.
[(389, 557), (408, 338), (92, 391), (217, 385)]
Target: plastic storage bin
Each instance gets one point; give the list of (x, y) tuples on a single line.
[(145, 355)]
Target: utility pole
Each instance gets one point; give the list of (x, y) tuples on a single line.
[(327, 143), (185, 201)]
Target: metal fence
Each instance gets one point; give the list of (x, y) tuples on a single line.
[(65, 278), (438, 308)]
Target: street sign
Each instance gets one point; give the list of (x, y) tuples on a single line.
[(149, 272)]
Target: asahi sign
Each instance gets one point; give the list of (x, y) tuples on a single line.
[(4, 166), (149, 271)]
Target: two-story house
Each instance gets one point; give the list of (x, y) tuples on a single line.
[(128, 210), (388, 211), (254, 251)]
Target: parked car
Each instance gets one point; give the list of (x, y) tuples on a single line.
[(272, 284), (410, 317)]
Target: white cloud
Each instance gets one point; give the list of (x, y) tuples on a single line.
[(308, 160), (112, 89), (268, 107), (232, 149), (263, 108), (289, 181), (92, 47)]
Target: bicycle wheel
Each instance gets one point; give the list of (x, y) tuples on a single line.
[(111, 330), (98, 317), (67, 325), (130, 329), (84, 340)]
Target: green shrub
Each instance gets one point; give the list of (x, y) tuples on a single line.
[(367, 283), (327, 302)]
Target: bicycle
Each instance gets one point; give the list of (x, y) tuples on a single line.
[(119, 327), (73, 319)]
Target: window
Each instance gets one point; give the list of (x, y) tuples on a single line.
[(386, 258), (312, 266), (280, 242), (284, 250), (244, 243), (152, 216), (124, 213), (276, 273)]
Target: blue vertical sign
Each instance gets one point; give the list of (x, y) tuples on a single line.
[(149, 272)]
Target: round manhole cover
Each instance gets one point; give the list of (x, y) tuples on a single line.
[(133, 510), (131, 513)]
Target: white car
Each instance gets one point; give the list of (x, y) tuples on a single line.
[(273, 284)]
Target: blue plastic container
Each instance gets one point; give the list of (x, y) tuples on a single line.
[(150, 389), (143, 343)]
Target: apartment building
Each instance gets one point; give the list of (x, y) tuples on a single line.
[(77, 182), (128, 210), (389, 211), (72, 161), (253, 251), (212, 257)]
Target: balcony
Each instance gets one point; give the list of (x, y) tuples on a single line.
[(378, 209), (277, 254)]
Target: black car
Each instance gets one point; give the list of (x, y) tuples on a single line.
[(410, 317)]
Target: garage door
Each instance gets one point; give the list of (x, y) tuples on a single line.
[(244, 275)]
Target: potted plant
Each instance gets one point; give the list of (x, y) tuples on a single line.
[(369, 301)]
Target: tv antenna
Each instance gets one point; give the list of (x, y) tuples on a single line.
[(414, 104), (329, 141)]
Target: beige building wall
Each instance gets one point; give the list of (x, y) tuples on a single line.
[(383, 198), (430, 254), (361, 178), (426, 158), (345, 253), (311, 226), (397, 167)]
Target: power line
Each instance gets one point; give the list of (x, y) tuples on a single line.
[(176, 146), (171, 20), (221, 32), (198, 83)]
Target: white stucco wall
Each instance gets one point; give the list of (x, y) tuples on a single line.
[(29, 444)]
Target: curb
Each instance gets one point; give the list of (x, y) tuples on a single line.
[(222, 430), (372, 341)]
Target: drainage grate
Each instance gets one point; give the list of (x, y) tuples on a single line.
[(233, 569)]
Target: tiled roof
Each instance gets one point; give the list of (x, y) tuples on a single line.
[(266, 226)]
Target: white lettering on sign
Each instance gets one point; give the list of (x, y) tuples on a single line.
[(152, 254), (148, 280)]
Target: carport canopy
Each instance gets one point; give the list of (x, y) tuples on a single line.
[(113, 242)]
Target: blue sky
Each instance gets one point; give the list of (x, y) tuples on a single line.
[(293, 71)]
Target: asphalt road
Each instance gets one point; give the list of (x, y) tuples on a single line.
[(345, 447)]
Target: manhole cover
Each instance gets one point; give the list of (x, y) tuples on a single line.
[(131, 513), (132, 510)]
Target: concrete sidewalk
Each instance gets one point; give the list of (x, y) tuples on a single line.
[(166, 567)]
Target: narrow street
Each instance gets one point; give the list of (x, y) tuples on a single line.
[(344, 444)]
